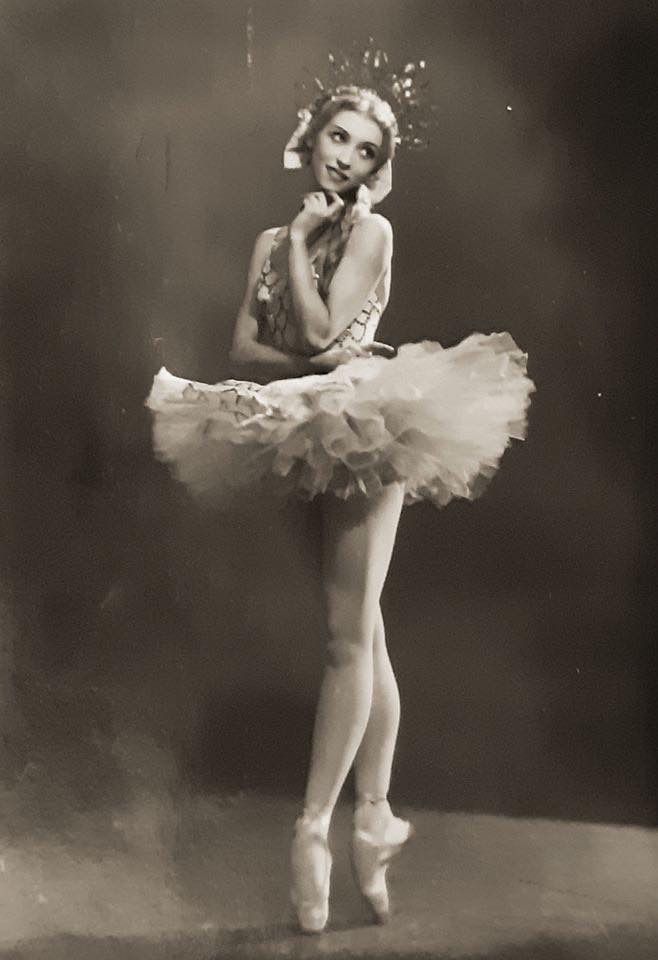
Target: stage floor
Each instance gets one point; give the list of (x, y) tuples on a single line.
[(206, 878)]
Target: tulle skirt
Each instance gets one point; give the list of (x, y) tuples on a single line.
[(438, 420)]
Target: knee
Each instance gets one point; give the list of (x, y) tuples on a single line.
[(350, 636)]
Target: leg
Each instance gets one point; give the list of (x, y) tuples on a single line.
[(378, 835), (357, 541), (374, 759)]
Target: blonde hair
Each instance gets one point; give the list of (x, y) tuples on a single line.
[(361, 100)]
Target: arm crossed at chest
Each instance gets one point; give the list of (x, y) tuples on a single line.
[(365, 260)]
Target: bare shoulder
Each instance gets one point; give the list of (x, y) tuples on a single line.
[(380, 223), (262, 247), (374, 229), (371, 241), (264, 239)]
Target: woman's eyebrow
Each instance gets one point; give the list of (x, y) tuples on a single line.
[(367, 142)]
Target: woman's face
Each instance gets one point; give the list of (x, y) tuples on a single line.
[(346, 151)]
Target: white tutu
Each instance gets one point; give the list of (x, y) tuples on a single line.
[(436, 419)]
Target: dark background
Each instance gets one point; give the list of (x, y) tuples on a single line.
[(144, 640)]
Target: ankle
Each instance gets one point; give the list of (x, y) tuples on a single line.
[(371, 811), (315, 820), (372, 799)]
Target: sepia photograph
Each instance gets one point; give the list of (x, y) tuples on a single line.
[(326, 597)]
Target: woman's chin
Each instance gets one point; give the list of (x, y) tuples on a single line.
[(346, 192), (332, 187)]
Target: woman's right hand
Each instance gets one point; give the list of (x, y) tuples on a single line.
[(318, 209), (335, 356)]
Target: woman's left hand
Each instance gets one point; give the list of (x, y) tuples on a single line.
[(334, 357), (316, 212), (330, 359), (377, 349)]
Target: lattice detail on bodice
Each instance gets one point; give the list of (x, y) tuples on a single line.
[(277, 321)]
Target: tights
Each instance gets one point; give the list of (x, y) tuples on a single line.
[(358, 711)]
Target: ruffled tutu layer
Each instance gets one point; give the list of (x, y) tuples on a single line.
[(437, 419)]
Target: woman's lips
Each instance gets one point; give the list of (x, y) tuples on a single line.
[(336, 174)]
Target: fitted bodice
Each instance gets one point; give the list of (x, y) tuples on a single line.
[(277, 324)]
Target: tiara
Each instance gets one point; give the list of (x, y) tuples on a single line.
[(405, 91)]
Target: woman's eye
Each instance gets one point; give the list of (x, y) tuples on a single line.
[(338, 133)]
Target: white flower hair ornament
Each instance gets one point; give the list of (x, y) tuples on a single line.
[(292, 153)]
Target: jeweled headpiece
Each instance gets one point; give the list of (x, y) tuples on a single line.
[(404, 109)]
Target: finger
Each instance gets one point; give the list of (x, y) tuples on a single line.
[(344, 355), (336, 203), (384, 347)]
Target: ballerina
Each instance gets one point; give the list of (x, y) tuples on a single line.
[(321, 409)]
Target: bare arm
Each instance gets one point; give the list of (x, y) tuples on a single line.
[(366, 258), (250, 359)]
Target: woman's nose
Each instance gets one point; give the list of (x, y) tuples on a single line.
[(342, 164)]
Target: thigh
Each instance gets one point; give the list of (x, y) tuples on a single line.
[(358, 535)]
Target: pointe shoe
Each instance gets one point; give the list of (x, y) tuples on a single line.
[(372, 852), (311, 869)]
